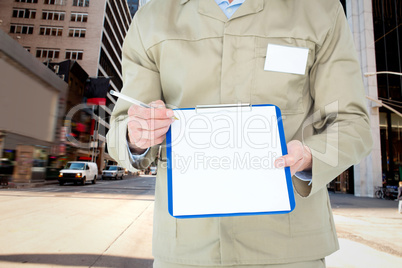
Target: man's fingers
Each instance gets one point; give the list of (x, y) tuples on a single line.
[(158, 111), (298, 157), (286, 161), (144, 142), (149, 125), (150, 135), (148, 113), (157, 104)]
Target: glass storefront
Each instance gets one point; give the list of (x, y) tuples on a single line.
[(387, 20), (391, 147)]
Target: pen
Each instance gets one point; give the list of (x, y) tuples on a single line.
[(133, 101)]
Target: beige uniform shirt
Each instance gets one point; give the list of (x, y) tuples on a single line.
[(188, 53)]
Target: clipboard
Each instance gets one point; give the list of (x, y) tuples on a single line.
[(220, 162)]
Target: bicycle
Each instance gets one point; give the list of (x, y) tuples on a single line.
[(380, 192), (385, 192)]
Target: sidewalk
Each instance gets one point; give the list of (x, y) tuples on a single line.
[(369, 231)]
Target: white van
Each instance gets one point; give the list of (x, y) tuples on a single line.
[(113, 172), (77, 171)]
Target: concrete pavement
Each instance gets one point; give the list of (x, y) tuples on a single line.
[(115, 230), (369, 231), (108, 224)]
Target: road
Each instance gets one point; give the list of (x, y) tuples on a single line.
[(78, 226)]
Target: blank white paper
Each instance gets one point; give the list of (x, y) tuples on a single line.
[(222, 162)]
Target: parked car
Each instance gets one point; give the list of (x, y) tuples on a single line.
[(6, 170), (114, 172), (76, 171), (153, 171)]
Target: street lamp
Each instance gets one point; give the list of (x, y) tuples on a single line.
[(383, 72), (385, 105), (379, 101)]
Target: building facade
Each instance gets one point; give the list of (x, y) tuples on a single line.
[(31, 109), (90, 32), (375, 25)]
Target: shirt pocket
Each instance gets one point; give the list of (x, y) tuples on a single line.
[(285, 90)]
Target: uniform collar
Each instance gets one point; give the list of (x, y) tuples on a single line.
[(234, 2), (211, 9)]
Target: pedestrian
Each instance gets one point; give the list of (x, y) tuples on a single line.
[(191, 52)]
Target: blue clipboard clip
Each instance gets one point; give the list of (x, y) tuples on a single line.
[(244, 107)]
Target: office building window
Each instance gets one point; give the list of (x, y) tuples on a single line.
[(53, 15), (81, 3), (24, 13), (47, 53), (28, 49), (54, 2), (79, 17), (74, 55), (27, 1), (21, 29), (76, 32), (48, 30)]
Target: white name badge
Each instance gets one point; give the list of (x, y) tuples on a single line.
[(286, 59)]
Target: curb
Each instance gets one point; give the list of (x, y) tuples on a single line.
[(22, 185)]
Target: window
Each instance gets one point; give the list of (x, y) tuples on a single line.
[(47, 53), (76, 32), (21, 29), (74, 55), (81, 3), (53, 15), (55, 2), (24, 13), (28, 49), (79, 17), (27, 1), (48, 30)]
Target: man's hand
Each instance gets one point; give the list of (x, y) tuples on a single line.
[(148, 127), (298, 158)]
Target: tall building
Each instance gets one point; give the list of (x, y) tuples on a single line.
[(133, 6), (90, 32), (376, 29)]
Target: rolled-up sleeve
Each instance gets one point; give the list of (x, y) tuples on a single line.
[(342, 135), (141, 81)]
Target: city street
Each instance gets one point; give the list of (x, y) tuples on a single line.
[(109, 224)]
